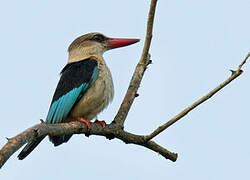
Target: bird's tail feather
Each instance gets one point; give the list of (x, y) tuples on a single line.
[(58, 140), (29, 148)]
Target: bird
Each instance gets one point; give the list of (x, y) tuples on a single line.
[(85, 87)]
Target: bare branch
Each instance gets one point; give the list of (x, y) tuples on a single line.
[(139, 71), (234, 75), (111, 130), (244, 61)]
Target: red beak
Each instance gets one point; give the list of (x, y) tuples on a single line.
[(118, 42)]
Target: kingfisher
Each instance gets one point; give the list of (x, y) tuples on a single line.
[(85, 87)]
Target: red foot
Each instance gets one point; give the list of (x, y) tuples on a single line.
[(102, 123), (87, 122)]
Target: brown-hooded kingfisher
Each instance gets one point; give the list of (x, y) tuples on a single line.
[(85, 87)]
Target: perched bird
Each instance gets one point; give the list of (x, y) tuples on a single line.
[(85, 87)]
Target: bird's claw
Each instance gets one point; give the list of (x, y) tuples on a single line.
[(86, 122), (101, 123)]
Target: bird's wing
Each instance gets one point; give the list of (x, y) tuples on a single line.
[(75, 80)]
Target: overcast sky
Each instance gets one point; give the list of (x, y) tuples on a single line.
[(195, 44)]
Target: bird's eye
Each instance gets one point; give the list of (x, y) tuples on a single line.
[(98, 38)]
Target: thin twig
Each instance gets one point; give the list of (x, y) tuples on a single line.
[(244, 61), (234, 75), (139, 71)]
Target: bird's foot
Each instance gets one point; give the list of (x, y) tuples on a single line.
[(102, 123), (86, 122)]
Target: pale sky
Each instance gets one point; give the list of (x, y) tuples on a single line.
[(195, 44)]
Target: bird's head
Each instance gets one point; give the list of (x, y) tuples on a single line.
[(94, 44)]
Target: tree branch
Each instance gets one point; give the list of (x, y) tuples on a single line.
[(110, 131), (234, 75), (139, 71)]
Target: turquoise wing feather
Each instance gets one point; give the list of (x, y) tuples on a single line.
[(74, 82)]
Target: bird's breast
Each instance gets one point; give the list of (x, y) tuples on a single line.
[(97, 96)]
